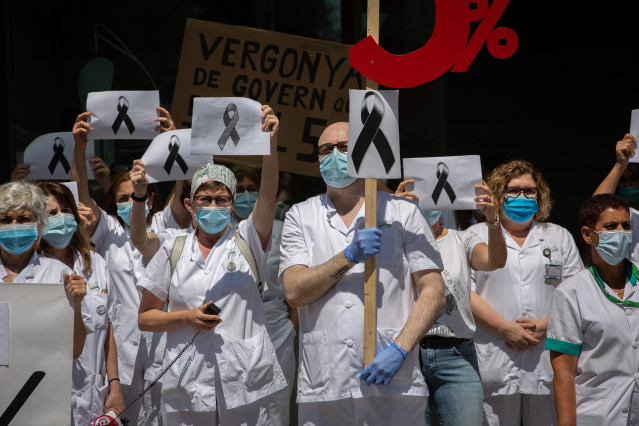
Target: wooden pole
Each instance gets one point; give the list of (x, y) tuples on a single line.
[(370, 219)]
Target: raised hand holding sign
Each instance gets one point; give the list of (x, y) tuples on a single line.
[(228, 126), (123, 114), (444, 183), (374, 134), (169, 158)]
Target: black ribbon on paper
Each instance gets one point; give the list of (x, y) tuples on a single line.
[(174, 156), (230, 123), (371, 133), (19, 400), (123, 116), (58, 156), (442, 184)]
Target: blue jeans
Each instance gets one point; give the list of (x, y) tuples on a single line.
[(455, 390)]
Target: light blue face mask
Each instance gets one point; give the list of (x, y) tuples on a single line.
[(244, 203), (213, 220), (60, 230), (614, 245), (124, 211), (17, 239), (520, 209), (431, 216), (333, 170)]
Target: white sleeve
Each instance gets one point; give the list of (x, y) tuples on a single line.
[(420, 247), (564, 333), (293, 247), (273, 288), (249, 233), (572, 260), (101, 231), (157, 275), (470, 241)]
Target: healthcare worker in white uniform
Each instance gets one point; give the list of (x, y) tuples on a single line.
[(96, 387), (324, 246), (448, 357), (111, 239), (228, 364), (23, 220), (593, 331), (511, 305)]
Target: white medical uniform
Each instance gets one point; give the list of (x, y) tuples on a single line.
[(519, 290), (126, 265), (233, 365), (331, 328), (456, 319), (90, 382), (605, 337)]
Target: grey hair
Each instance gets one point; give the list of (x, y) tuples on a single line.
[(20, 195)]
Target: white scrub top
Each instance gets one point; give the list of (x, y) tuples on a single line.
[(519, 290), (331, 328), (456, 319), (584, 322), (126, 265), (239, 349), (90, 384)]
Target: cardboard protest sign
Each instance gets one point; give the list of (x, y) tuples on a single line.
[(40, 348), (444, 183), (123, 114), (373, 147), (50, 156), (228, 126), (305, 81), (168, 157)]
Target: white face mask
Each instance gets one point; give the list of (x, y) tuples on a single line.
[(614, 245)]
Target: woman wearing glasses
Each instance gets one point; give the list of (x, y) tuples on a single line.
[(511, 304), (229, 365)]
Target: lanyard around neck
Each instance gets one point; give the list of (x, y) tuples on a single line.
[(632, 273)]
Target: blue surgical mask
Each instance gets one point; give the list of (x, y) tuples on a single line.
[(614, 245), (213, 220), (520, 209), (431, 216), (244, 203), (124, 211), (333, 170), (60, 230), (17, 239)]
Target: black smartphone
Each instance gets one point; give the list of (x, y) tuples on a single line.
[(212, 309)]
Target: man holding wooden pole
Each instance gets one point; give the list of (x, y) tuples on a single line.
[(324, 246)]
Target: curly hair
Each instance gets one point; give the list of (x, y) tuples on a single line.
[(80, 241), (503, 174)]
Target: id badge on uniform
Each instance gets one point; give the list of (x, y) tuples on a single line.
[(553, 272)]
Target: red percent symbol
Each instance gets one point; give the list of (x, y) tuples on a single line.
[(447, 48)]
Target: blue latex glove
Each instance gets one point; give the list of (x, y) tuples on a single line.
[(365, 244), (385, 365)]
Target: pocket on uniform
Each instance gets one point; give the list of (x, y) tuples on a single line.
[(256, 358), (593, 405), (314, 368)]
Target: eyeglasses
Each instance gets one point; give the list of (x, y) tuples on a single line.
[(528, 192), (327, 148), (205, 200)]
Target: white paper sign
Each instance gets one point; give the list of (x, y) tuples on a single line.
[(444, 183), (228, 126), (40, 340), (168, 157), (73, 187), (123, 115), (634, 131), (373, 137), (4, 334), (50, 156)]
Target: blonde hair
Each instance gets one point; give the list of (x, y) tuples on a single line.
[(503, 174)]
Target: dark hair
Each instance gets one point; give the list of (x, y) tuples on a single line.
[(242, 172), (80, 240), (110, 204), (592, 208)]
